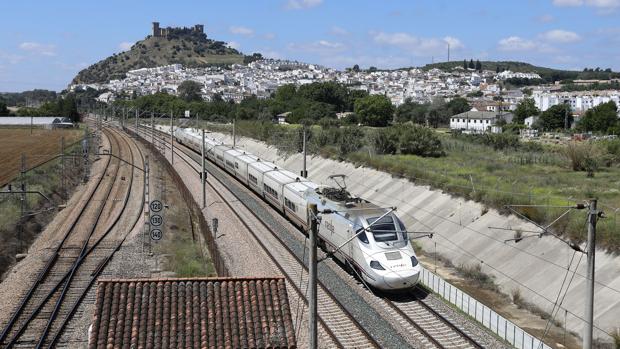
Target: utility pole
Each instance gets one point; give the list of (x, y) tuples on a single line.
[(137, 130), (171, 137), (312, 275), (153, 128), (592, 218), (234, 137), (22, 174), (448, 52), (31, 122), (304, 172), (203, 174), (62, 169)]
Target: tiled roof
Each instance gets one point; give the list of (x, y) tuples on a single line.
[(195, 312)]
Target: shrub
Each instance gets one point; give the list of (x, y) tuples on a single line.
[(385, 141), (418, 140), (582, 157), (350, 139)]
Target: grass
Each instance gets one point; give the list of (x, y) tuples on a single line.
[(529, 175), (17, 233)]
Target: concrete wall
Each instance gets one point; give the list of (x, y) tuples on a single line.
[(463, 235)]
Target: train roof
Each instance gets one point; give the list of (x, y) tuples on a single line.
[(281, 176), (301, 186), (342, 201), (234, 152), (248, 158), (263, 166)]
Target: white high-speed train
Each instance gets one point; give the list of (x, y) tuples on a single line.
[(380, 254)]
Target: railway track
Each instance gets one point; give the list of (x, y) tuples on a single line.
[(41, 317), (335, 321), (410, 310)]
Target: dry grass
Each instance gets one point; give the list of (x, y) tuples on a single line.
[(38, 147)]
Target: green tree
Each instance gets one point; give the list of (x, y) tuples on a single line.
[(4, 111), (421, 141), (356, 68), (437, 114), (385, 140), (68, 108), (412, 111), (190, 91), (458, 105), (478, 65), (465, 64), (471, 64), (374, 110), (525, 109), (554, 117), (600, 118)]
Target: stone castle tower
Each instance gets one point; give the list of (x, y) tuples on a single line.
[(163, 32)]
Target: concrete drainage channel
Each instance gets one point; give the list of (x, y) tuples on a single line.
[(384, 331)]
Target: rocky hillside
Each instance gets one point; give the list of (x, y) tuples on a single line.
[(189, 49)]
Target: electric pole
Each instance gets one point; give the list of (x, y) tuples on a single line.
[(591, 247), (153, 128), (171, 137), (136, 121), (304, 172), (203, 174), (62, 169), (312, 275), (234, 137)]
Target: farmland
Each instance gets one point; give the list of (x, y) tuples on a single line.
[(38, 148)]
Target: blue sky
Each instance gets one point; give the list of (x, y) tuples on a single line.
[(43, 44)]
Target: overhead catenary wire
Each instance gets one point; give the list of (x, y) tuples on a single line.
[(475, 231)]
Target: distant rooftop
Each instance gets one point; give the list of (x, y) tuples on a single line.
[(196, 312)]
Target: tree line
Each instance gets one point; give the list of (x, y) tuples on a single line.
[(315, 103)]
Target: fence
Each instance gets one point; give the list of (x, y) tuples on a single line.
[(499, 325), (218, 262)]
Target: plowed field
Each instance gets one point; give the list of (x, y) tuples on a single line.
[(38, 147)]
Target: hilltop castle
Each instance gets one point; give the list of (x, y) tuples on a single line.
[(164, 32)]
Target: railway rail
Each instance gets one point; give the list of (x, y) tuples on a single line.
[(411, 310), (41, 316), (337, 323)]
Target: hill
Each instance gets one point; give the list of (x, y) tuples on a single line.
[(547, 74), (180, 45)]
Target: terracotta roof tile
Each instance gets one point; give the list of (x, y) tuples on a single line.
[(192, 313)]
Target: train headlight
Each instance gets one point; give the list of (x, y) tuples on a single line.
[(414, 261), (376, 265)]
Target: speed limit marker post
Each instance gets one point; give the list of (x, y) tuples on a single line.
[(156, 206)]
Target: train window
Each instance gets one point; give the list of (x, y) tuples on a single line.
[(229, 164), (253, 179), (403, 229), (270, 190), (236, 165), (383, 230), (288, 203)]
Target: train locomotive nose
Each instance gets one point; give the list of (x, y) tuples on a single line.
[(399, 281)]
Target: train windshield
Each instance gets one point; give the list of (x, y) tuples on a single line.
[(384, 229)]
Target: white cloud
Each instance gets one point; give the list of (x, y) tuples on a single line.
[(269, 36), (234, 44), (125, 46), (38, 48), (600, 4), (239, 30), (563, 3), (302, 4), (560, 36), (515, 43), (320, 47), (415, 45)]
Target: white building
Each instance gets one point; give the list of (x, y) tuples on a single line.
[(478, 121)]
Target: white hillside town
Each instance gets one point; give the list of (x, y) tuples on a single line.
[(262, 78)]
